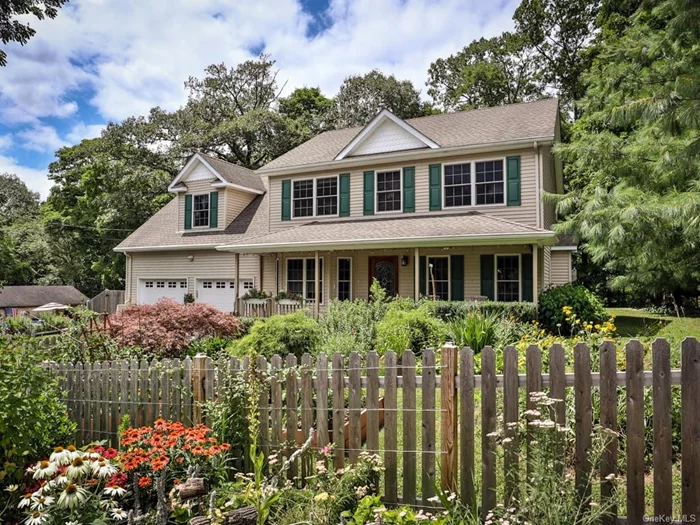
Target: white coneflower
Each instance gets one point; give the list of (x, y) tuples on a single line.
[(58, 481), (119, 514), (103, 469), (115, 491), (107, 504), (11, 488), (37, 518), (77, 468), (60, 456), (72, 523), (25, 501), (44, 469), (72, 496), (42, 502)]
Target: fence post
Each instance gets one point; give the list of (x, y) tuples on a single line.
[(449, 418), (199, 374)]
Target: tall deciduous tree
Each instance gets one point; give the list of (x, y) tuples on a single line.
[(487, 72), (16, 200), (12, 30), (635, 154), (308, 108), (361, 97), (560, 31)]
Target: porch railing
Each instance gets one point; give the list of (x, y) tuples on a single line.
[(270, 307)]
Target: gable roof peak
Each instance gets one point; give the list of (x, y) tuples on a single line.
[(227, 173), (413, 138)]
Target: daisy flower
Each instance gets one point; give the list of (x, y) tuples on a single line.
[(25, 501), (77, 468), (41, 502), (44, 469), (115, 491), (103, 469), (72, 496), (119, 514), (37, 518), (11, 488), (60, 456)]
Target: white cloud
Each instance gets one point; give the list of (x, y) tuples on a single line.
[(43, 139), (131, 55), (82, 131), (35, 179), (6, 142)]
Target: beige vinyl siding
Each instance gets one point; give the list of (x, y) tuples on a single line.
[(549, 185), (561, 267), (197, 187), (207, 264), (269, 273), (234, 202), (547, 266), (525, 214), (360, 268)]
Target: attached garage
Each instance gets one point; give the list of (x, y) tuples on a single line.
[(220, 293), (151, 290)]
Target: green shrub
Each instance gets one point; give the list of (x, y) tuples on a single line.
[(348, 326), (212, 345), (474, 330), (585, 306), (449, 310), (33, 416), (409, 330), (295, 333)]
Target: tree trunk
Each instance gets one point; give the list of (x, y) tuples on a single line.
[(244, 516), (192, 488)]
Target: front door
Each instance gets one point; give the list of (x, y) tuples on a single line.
[(386, 271)]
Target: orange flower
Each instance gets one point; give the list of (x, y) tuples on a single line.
[(145, 482)]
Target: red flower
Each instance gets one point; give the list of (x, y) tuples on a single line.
[(110, 453)]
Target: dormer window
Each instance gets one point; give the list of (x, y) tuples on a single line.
[(200, 211), (315, 197)]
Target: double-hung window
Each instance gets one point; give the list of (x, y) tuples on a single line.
[(474, 183), (388, 191), (507, 277), (490, 188), (458, 186), (200, 210), (315, 197), (438, 281), (301, 276), (344, 278)]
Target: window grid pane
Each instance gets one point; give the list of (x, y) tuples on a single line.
[(508, 278), (344, 279), (458, 191), (389, 191), (489, 182), (200, 210), (300, 277), (303, 198), (327, 196), (439, 278)]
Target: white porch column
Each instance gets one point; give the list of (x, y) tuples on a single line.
[(237, 281), (535, 272), (416, 274), (317, 286)]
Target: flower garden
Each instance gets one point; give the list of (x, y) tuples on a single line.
[(144, 475)]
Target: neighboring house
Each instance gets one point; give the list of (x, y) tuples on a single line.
[(17, 299), (446, 206)]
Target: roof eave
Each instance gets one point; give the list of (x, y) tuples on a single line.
[(168, 248), (543, 238), (237, 187), (406, 156)]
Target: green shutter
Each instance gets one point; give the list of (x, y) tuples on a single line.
[(513, 177), (526, 285), (487, 277), (344, 192), (422, 276), (286, 200), (369, 193), (409, 190), (457, 277), (214, 209), (188, 212), (435, 187)]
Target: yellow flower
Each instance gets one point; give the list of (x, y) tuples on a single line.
[(323, 496)]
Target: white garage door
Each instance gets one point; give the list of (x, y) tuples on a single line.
[(150, 290), (219, 293)]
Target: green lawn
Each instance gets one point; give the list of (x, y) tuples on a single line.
[(632, 323)]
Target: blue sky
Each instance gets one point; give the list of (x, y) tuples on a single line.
[(105, 60)]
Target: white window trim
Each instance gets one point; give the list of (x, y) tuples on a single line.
[(376, 191), (304, 281), (472, 184), (315, 214), (520, 274), (449, 274), (208, 210), (337, 275)]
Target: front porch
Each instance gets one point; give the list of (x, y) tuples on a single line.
[(468, 273)]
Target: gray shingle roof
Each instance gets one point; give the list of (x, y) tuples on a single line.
[(160, 230), (236, 174), (32, 296), (464, 128), (404, 229)]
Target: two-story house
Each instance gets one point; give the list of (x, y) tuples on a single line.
[(447, 206)]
